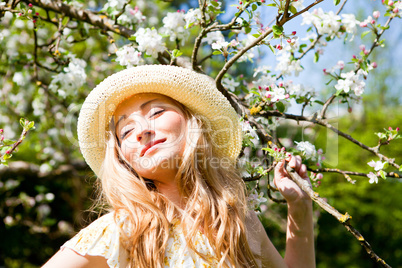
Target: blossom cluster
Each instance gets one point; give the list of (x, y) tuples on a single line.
[(255, 199)]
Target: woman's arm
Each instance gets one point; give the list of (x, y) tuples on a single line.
[(300, 230), (67, 258)]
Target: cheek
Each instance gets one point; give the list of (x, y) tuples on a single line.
[(175, 124)]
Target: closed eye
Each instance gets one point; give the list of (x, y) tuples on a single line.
[(125, 133), (156, 113)]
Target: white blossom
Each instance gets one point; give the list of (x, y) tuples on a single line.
[(72, 77), (373, 178), (128, 56), (214, 37), (264, 81), (307, 148), (276, 93), (131, 16), (286, 65), (377, 165), (193, 17), (115, 4), (230, 83), (351, 81), (255, 199), (20, 79), (350, 23), (220, 44), (149, 41), (248, 130), (298, 4), (173, 25), (262, 69), (326, 23)]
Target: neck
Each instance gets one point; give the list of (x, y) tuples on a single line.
[(171, 192)]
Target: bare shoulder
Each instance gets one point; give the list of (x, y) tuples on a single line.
[(261, 246), (68, 258)]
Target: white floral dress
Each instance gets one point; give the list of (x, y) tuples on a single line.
[(102, 238)]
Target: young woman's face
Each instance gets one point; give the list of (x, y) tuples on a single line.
[(151, 129)]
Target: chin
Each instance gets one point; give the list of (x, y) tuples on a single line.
[(157, 166)]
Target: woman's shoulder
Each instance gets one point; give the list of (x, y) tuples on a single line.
[(101, 238)]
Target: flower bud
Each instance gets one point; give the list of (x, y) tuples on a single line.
[(280, 84), (36, 13), (395, 10), (30, 5), (350, 109), (30, 11), (278, 47), (8, 152), (294, 33), (397, 129), (376, 14), (19, 14), (1, 138), (372, 22), (1, 130), (319, 176), (325, 71), (289, 40), (362, 47), (374, 65), (287, 96), (363, 24), (389, 128), (390, 3), (366, 52)]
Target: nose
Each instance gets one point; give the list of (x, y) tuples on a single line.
[(145, 132)]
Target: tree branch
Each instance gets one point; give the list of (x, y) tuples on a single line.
[(342, 218)]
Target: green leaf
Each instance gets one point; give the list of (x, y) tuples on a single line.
[(31, 125), (336, 2), (339, 91), (23, 122), (383, 174), (319, 102), (256, 35), (272, 48), (280, 106), (231, 34), (293, 9), (132, 38), (247, 30), (8, 142), (176, 53), (271, 5), (365, 33), (400, 169), (215, 4), (277, 29), (316, 57), (217, 52), (254, 7), (7, 156)]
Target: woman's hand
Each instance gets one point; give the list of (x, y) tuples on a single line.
[(286, 186)]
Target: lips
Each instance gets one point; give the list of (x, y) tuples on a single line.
[(150, 144)]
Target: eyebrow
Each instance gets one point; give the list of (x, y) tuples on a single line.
[(142, 106)]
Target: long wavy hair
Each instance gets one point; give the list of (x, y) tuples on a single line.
[(215, 203)]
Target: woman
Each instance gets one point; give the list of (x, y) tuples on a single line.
[(164, 142)]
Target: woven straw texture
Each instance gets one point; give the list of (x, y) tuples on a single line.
[(196, 91)]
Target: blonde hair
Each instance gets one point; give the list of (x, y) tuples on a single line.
[(215, 203)]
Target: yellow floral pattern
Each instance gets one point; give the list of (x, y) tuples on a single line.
[(102, 238)]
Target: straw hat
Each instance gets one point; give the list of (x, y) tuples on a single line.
[(195, 91)]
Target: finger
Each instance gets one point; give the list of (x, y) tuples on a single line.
[(279, 171), (293, 162), (303, 171), (298, 162)]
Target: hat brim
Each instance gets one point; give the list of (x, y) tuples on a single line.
[(195, 91)]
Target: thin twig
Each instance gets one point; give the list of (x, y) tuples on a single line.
[(342, 218)]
